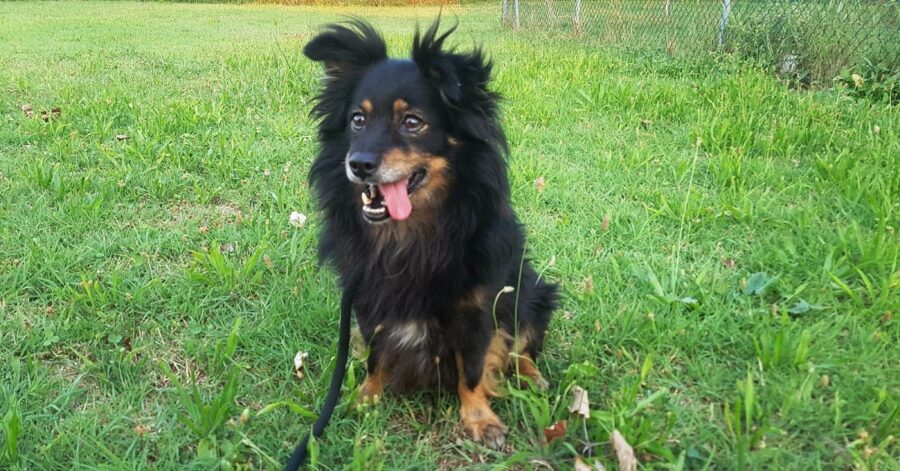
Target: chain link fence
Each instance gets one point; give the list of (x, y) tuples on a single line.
[(813, 38)]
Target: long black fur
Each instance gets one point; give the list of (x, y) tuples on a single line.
[(476, 241)]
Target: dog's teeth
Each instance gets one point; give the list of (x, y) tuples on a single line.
[(365, 198)]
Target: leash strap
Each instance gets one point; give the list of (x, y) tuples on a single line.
[(337, 379)]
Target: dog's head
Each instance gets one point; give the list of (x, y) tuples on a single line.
[(397, 125)]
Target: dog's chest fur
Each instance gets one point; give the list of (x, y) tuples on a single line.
[(405, 318)]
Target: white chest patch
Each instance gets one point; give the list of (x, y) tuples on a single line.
[(409, 334)]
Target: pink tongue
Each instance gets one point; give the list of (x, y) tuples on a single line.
[(396, 199)]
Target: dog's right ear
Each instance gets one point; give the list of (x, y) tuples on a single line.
[(347, 47)]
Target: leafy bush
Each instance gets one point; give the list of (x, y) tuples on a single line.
[(877, 82), (813, 43)]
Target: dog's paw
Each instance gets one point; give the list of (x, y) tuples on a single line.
[(370, 393), (489, 432)]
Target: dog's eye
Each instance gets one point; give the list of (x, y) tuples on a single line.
[(412, 123), (357, 121)]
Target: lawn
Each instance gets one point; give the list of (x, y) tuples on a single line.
[(728, 250)]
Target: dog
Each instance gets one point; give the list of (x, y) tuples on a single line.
[(411, 181)]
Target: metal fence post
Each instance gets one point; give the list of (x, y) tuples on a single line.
[(577, 14), (723, 24), (516, 6)]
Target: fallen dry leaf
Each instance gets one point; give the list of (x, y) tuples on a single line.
[(28, 110), (122, 137), (588, 285), (604, 224), (203, 229), (580, 404), (539, 184), (580, 465), (268, 261), (555, 431), (141, 430), (226, 248), (624, 452), (728, 263), (298, 364)]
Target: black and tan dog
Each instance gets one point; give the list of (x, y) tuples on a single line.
[(412, 182)]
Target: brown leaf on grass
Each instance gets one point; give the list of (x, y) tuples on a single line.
[(604, 224), (28, 110), (588, 284), (581, 406), (624, 452), (141, 430), (539, 184), (268, 261), (728, 263), (580, 465), (555, 431), (122, 137), (226, 248), (298, 364)]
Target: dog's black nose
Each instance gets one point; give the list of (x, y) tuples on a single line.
[(363, 164)]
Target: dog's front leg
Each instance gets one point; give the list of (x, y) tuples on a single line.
[(474, 365), (373, 387)]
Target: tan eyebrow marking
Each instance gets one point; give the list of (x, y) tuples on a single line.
[(400, 105), (366, 105)]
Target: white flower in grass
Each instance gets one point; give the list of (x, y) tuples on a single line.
[(297, 219)]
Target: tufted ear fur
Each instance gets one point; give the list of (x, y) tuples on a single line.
[(346, 47), (347, 50), (462, 81)]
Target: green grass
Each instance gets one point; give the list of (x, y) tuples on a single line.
[(728, 252)]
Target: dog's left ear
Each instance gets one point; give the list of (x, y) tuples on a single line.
[(457, 76)]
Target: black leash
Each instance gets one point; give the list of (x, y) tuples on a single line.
[(337, 378)]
